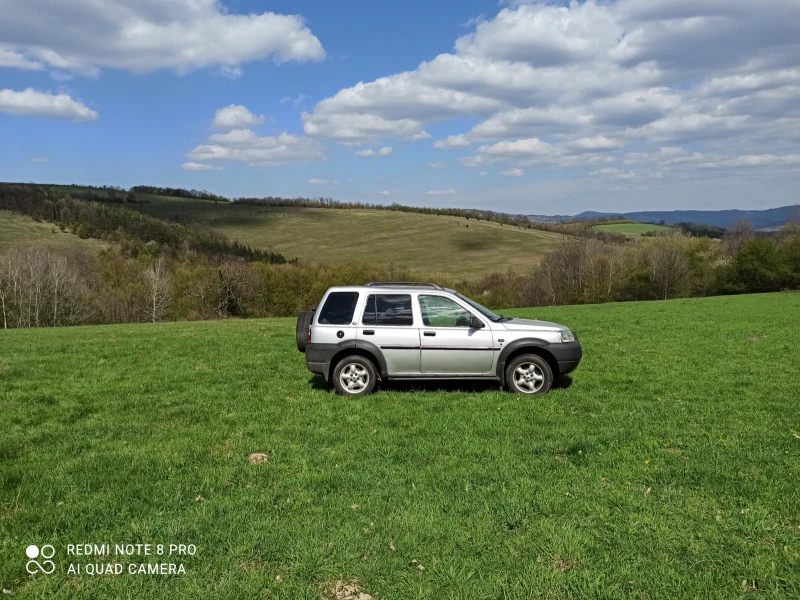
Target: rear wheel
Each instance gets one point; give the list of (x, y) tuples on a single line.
[(302, 329), (529, 374), (355, 376)]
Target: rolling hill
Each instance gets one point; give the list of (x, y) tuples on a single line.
[(429, 243), (760, 219), (16, 228)]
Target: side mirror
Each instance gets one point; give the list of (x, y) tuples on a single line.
[(476, 323)]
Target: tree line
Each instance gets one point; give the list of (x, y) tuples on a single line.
[(101, 217), (52, 285)]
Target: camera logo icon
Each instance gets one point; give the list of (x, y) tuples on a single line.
[(46, 552)]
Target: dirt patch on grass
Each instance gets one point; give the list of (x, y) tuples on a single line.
[(256, 458), (564, 564), (343, 590)]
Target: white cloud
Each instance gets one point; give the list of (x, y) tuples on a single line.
[(244, 145), (193, 166), (236, 117), (436, 165), (385, 151), (319, 181), (385, 193), (450, 192), (512, 172), (15, 60), (40, 159), (358, 128), (594, 143), (584, 84), (295, 102), (37, 104), (452, 141), (143, 35)]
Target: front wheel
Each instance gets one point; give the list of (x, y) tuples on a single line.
[(355, 376), (529, 374)]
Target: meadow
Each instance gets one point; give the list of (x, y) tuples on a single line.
[(457, 247), (666, 467), (16, 229), (631, 229)]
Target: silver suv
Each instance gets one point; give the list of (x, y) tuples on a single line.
[(410, 331)]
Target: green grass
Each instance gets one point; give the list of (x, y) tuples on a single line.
[(429, 243), (632, 229), (667, 469), (16, 229)]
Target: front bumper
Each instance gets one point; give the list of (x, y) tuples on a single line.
[(568, 355)]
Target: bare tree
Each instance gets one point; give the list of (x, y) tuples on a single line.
[(737, 235), (158, 283), (667, 266), (5, 287)]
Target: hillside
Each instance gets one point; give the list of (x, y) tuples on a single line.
[(630, 229), (760, 219), (454, 246), (660, 456), (16, 228), (770, 218)]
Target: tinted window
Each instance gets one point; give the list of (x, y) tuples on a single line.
[(388, 310), (438, 311), (338, 309)]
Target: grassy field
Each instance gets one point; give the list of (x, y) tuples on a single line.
[(631, 229), (667, 469), (429, 243), (15, 229)]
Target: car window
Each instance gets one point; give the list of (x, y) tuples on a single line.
[(338, 309), (388, 309), (438, 311)]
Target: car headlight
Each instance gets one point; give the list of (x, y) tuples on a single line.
[(567, 336)]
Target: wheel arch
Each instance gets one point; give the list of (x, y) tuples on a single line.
[(525, 346), (361, 349)]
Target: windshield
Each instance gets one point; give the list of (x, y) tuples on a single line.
[(481, 309)]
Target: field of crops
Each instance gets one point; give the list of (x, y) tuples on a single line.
[(667, 467)]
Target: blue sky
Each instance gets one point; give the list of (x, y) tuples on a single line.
[(527, 107)]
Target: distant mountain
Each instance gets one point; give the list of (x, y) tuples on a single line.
[(760, 219)]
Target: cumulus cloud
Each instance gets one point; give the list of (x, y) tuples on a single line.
[(436, 165), (140, 36), (236, 117), (193, 166), (319, 181), (244, 145), (38, 104), (587, 84), (385, 151), (450, 192), (515, 172)]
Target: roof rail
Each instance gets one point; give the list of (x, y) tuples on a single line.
[(403, 284)]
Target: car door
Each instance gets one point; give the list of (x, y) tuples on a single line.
[(449, 345), (388, 322)]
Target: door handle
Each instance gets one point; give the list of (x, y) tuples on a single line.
[(369, 332), (429, 333)]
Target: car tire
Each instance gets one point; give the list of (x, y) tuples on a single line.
[(302, 327), (355, 375), (529, 374)]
